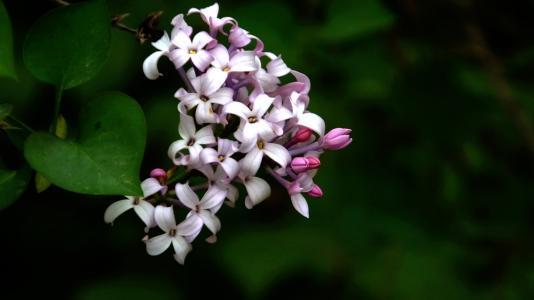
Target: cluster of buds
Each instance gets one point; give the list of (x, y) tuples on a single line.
[(238, 125)]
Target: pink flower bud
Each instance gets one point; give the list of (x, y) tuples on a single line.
[(302, 135), (299, 164), (313, 162), (337, 138), (158, 174), (315, 191)]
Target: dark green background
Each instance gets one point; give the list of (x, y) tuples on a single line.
[(433, 200)]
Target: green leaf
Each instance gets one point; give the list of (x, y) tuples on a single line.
[(7, 60), (69, 45), (12, 185), (354, 19), (5, 110), (106, 158)]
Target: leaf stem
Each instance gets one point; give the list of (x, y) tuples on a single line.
[(24, 125), (57, 107)]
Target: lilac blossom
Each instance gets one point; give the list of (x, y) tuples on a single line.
[(239, 126)]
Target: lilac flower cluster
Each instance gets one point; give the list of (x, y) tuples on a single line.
[(236, 118)]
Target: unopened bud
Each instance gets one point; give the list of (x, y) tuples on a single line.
[(316, 191), (337, 138)]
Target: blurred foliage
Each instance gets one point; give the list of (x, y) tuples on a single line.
[(434, 199)]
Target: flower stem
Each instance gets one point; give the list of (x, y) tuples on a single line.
[(22, 124), (304, 149), (278, 177), (186, 80)]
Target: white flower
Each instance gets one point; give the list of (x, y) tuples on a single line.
[(210, 16), (276, 152), (191, 141), (174, 234), (191, 50), (222, 181), (226, 148), (252, 123), (208, 91), (143, 208), (306, 119), (202, 209)]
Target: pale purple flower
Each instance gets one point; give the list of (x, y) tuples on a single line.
[(202, 209), (303, 184), (257, 188), (180, 25), (276, 152), (222, 181), (210, 16), (304, 118), (174, 234), (241, 61), (193, 50), (226, 148), (192, 141), (208, 91), (336, 139)]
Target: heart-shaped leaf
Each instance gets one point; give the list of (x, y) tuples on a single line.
[(12, 184), (106, 158), (7, 60), (69, 45)]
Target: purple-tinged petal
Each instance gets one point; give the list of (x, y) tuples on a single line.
[(158, 244), (300, 204), (182, 41), (206, 13), (186, 195), (179, 24), (186, 128), (261, 105), (189, 226), (244, 61), (200, 40), (211, 82), (164, 43), (257, 189), (213, 197), (222, 96), (221, 57), (279, 114), (227, 147), (164, 217), (204, 113), (237, 108), (181, 249), (230, 166), (205, 136), (278, 153), (209, 155), (116, 209), (179, 57), (277, 67), (239, 37), (201, 59), (210, 220), (175, 148), (250, 164)]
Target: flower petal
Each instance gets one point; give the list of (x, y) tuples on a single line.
[(230, 166), (300, 204), (205, 136), (257, 189), (277, 67), (244, 61), (158, 244), (212, 81), (251, 162), (227, 147), (175, 148), (204, 113), (222, 96), (164, 217), (278, 153), (262, 104), (186, 195), (182, 41), (221, 57), (163, 43), (187, 127), (181, 249), (145, 211), (210, 220), (150, 65), (179, 57), (150, 186), (313, 122), (200, 40), (202, 59), (237, 108), (116, 209), (213, 197), (209, 155), (189, 226)]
